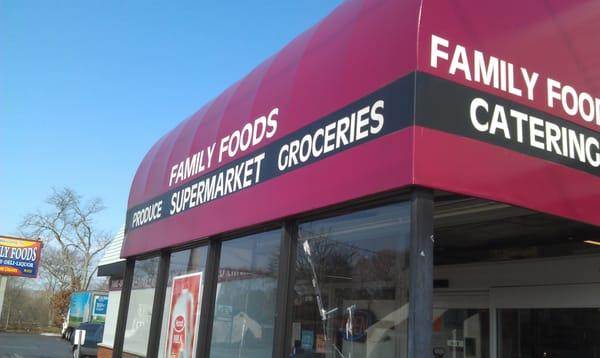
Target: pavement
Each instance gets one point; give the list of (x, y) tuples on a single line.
[(16, 345)]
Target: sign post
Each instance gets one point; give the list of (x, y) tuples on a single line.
[(79, 340), (3, 280)]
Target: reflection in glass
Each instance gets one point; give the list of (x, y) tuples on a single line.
[(246, 294), (137, 329), (183, 263), (351, 289)]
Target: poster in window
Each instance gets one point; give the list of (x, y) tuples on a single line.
[(183, 317)]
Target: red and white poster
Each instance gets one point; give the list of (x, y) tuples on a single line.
[(183, 319)]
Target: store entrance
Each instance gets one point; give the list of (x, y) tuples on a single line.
[(530, 322), (512, 283)]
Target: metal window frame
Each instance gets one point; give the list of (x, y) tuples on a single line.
[(208, 299), (157, 305), (420, 291), (123, 308), (285, 286)]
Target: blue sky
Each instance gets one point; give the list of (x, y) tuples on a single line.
[(86, 87)]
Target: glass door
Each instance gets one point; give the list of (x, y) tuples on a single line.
[(461, 325), (549, 333)]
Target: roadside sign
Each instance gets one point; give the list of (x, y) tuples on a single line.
[(19, 257)]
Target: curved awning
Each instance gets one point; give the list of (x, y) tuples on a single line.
[(374, 98)]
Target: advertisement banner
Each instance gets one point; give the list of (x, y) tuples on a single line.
[(79, 308), (183, 317), (19, 257), (100, 306)]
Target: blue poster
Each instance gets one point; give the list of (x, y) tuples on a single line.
[(308, 339), (100, 305)]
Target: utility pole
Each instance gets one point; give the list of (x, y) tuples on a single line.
[(3, 280)]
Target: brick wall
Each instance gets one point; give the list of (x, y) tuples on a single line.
[(106, 352)]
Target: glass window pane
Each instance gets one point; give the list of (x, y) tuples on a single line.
[(551, 333), (351, 289), (246, 294), (110, 324), (182, 304), (137, 329)]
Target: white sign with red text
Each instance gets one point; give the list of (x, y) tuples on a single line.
[(184, 316)]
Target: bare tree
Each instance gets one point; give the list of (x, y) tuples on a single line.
[(72, 244)]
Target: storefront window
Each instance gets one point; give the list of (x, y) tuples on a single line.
[(246, 295), (183, 299), (351, 289), (139, 313), (110, 324)]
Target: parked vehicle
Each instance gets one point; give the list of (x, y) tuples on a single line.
[(85, 306), (93, 336)]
